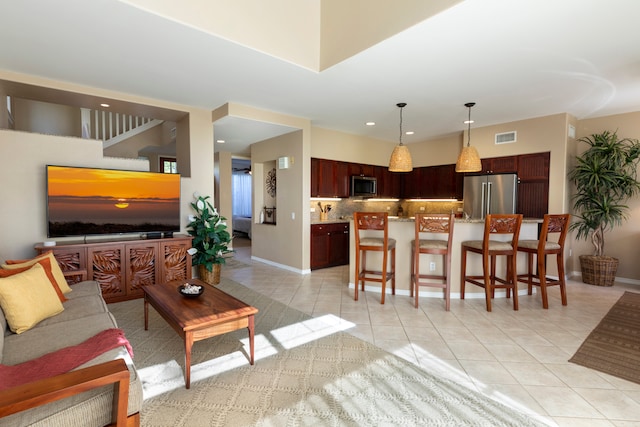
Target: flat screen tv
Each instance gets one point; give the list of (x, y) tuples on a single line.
[(86, 201)]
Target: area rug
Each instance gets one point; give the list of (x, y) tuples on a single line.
[(613, 347), (308, 372)]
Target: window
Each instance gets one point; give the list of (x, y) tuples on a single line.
[(168, 165), (241, 194)]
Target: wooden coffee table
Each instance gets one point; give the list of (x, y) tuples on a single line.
[(195, 319)]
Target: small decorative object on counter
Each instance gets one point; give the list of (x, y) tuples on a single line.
[(400, 211), (324, 211)]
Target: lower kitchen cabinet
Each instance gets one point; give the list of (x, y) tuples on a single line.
[(329, 245)]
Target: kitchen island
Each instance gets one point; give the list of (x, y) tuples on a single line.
[(403, 230)]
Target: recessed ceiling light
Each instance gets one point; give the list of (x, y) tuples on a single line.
[(370, 123), (409, 132), (105, 105), (220, 141)]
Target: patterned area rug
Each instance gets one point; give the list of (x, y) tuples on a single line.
[(307, 372), (613, 347)]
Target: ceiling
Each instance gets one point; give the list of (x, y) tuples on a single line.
[(515, 59)]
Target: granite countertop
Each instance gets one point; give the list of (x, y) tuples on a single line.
[(411, 219), (331, 221), (460, 220)]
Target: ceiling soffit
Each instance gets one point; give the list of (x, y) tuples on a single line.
[(313, 34)]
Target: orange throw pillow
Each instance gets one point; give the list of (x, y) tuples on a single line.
[(46, 265), (55, 268)]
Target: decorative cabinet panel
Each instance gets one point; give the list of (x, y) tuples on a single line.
[(329, 245), (141, 267), (122, 268), (106, 266), (175, 262)]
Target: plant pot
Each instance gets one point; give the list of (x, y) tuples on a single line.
[(598, 270), (210, 277)]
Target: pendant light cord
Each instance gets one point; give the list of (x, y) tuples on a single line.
[(469, 105), (401, 105)]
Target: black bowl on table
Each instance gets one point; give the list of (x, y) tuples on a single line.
[(184, 292)]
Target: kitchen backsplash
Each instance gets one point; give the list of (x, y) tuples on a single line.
[(346, 207)]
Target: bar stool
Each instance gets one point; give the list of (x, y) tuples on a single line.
[(377, 222), (490, 249), (434, 224), (554, 224)]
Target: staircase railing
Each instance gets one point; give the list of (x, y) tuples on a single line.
[(113, 128)]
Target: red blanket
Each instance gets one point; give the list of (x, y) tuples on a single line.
[(63, 360)]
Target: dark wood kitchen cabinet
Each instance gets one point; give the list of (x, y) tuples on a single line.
[(361, 169), (533, 188), (389, 183), (432, 182), (329, 245), (329, 178), (506, 164)]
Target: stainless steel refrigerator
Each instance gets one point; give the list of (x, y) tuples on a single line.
[(490, 194)]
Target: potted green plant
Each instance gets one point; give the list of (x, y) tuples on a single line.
[(605, 177), (210, 240)]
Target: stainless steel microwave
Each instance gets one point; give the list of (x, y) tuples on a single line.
[(363, 186)]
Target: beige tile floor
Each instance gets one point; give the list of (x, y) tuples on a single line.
[(517, 357)]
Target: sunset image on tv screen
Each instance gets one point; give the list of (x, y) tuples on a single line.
[(85, 201)]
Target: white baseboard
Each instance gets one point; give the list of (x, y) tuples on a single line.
[(283, 266), (577, 276), (438, 293)]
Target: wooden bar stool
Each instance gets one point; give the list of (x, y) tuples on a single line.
[(490, 249), (379, 223), (434, 225), (552, 224)]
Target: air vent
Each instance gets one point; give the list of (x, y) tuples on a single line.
[(506, 137)]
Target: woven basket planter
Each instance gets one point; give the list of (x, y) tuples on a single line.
[(598, 270), (210, 277)]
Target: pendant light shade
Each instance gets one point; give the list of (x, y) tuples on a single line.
[(469, 160), (400, 160)]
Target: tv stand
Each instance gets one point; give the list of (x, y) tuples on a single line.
[(123, 267)]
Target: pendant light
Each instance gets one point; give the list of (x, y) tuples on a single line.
[(400, 160), (469, 160)]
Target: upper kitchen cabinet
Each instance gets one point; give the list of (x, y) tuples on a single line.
[(507, 164), (329, 178), (389, 183), (315, 177), (411, 183), (433, 182), (534, 166), (360, 169), (447, 183)]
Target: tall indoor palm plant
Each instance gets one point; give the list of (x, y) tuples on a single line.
[(605, 177)]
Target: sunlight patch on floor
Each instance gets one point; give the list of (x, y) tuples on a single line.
[(300, 333)]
